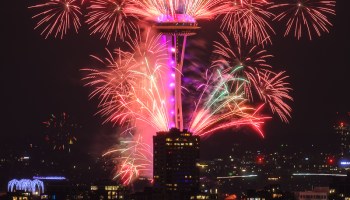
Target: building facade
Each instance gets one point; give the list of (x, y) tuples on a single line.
[(343, 130), (175, 157)]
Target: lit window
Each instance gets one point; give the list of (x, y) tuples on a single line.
[(94, 187)]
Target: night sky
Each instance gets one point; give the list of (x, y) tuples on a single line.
[(40, 77)]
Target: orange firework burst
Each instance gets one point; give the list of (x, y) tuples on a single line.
[(309, 16), (57, 17)]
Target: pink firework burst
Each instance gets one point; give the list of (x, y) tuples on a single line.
[(274, 90), (249, 19), (112, 84), (232, 55), (310, 16), (57, 17), (111, 19), (250, 63), (222, 106), (131, 85)]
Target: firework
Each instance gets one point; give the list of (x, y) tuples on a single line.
[(251, 64), (60, 131), (134, 157), (57, 17), (274, 90), (130, 86), (113, 83), (248, 19), (111, 18), (310, 16), (232, 54), (134, 88), (222, 106)]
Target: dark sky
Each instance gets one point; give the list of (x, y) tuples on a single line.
[(39, 77)]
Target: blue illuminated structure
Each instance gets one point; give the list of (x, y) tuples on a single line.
[(344, 163), (317, 174), (26, 185), (57, 178)]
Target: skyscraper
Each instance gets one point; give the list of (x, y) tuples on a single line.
[(343, 130), (175, 157)]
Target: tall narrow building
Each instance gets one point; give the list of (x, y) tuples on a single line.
[(175, 157), (343, 130)]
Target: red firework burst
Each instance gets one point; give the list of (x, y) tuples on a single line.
[(310, 16), (274, 90), (250, 63), (57, 17), (111, 18), (232, 55), (248, 19)]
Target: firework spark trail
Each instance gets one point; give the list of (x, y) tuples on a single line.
[(57, 16), (224, 107), (274, 91), (305, 15), (231, 55), (134, 157), (111, 18), (249, 19)]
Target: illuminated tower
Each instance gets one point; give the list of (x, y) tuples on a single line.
[(176, 27)]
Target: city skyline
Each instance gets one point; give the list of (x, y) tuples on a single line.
[(255, 104)]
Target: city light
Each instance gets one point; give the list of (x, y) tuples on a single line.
[(49, 177), (243, 176), (317, 174)]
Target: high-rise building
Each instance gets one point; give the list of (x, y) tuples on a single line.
[(176, 154), (343, 130)]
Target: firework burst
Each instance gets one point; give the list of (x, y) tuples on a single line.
[(112, 19), (57, 17), (274, 90), (60, 132), (310, 16), (134, 157), (232, 54), (113, 83), (223, 106), (251, 64), (249, 19), (129, 88)]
